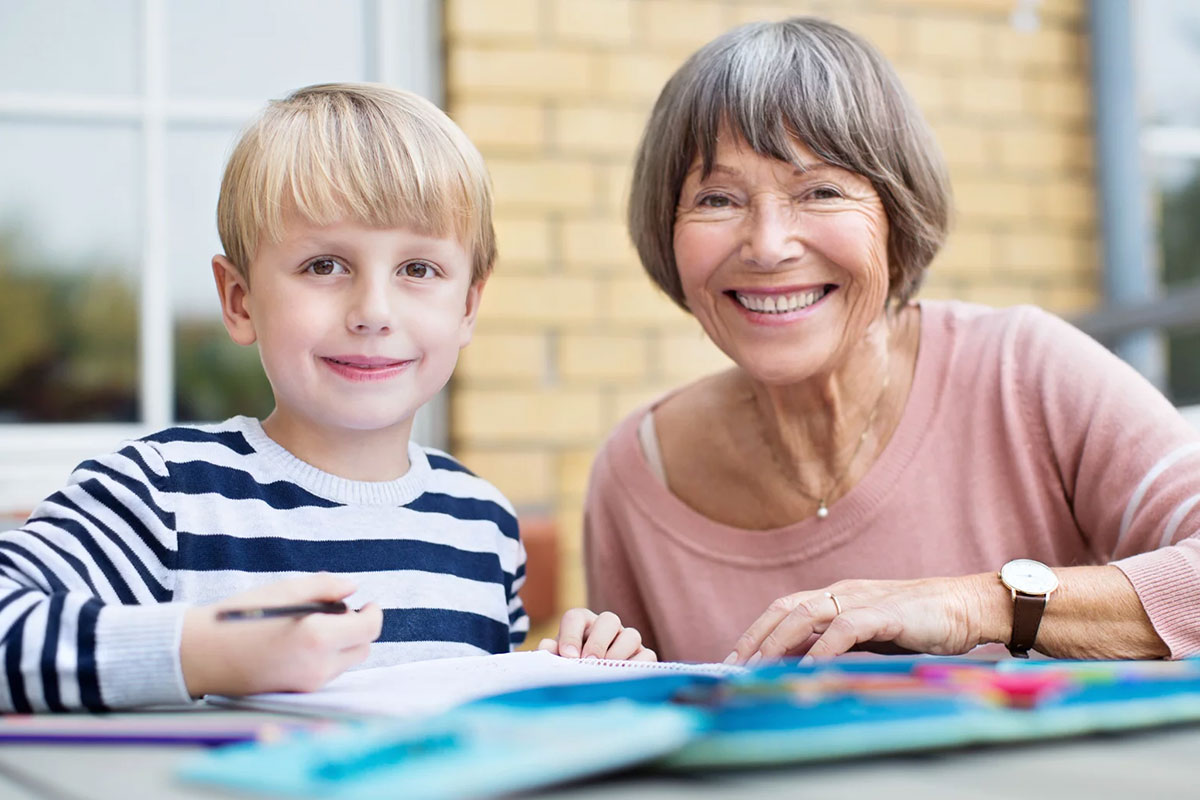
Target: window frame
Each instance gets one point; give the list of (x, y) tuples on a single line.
[(403, 38)]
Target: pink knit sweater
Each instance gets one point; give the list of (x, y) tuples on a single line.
[(1022, 437)]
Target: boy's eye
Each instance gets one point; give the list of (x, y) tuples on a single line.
[(417, 269), (324, 266)]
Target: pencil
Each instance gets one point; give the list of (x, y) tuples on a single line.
[(298, 610)]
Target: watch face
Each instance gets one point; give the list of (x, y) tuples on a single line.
[(1028, 576)]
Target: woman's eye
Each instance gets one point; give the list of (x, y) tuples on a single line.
[(324, 266), (418, 269), (825, 193), (714, 201)]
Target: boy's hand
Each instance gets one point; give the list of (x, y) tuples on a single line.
[(297, 654), (585, 634)]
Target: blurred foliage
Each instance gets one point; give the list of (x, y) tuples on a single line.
[(70, 348), (1179, 236)]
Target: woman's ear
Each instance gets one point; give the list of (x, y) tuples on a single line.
[(466, 327), (234, 290)]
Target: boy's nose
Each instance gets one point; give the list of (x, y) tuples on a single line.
[(370, 313)]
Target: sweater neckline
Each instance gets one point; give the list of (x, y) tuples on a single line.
[(398, 492), (808, 537)]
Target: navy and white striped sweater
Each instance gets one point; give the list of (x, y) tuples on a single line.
[(94, 586)]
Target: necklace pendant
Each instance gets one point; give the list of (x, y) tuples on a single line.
[(822, 510)]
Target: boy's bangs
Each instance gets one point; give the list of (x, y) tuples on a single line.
[(331, 172)]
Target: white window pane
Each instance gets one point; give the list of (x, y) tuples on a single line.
[(1169, 47), (260, 49), (214, 378), (70, 208), (74, 46)]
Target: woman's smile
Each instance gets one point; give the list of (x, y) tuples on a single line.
[(780, 306)]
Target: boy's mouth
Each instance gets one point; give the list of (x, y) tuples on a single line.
[(360, 368)]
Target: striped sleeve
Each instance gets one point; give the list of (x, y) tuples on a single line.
[(85, 585), (518, 620)]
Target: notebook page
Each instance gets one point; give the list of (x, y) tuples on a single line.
[(428, 687)]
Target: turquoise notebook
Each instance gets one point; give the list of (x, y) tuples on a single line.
[(777, 714)]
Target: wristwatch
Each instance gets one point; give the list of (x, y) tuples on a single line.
[(1031, 583)]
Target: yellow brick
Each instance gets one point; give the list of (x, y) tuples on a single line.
[(519, 126), (1049, 49), (523, 241), (1041, 254), (504, 357), (614, 188), (931, 89), (1067, 98), (681, 24), (544, 185), (1003, 295), (598, 129), (571, 590), (1038, 149), (686, 356), (994, 199), (526, 477), (500, 417), (488, 20), (602, 22), (968, 253), (965, 144), (991, 96), (988, 7), (1063, 11), (592, 243), (889, 32), (636, 300), (1069, 200), (956, 41), (574, 466), (494, 72), (602, 358), (532, 301), (568, 515), (635, 76), (1072, 299)]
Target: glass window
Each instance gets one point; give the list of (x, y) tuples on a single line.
[(70, 242), (70, 46)]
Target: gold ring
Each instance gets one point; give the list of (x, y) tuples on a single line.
[(836, 604)]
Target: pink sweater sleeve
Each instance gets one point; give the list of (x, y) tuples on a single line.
[(1129, 464), (611, 578)]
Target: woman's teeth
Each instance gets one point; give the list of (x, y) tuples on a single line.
[(780, 303)]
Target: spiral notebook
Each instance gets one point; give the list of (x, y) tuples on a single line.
[(430, 687)]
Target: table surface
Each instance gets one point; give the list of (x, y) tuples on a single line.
[(1154, 763)]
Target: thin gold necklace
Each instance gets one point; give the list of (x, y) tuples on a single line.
[(822, 506)]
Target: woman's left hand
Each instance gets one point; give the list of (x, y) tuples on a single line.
[(932, 615)]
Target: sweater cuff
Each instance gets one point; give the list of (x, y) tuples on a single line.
[(137, 655), (1169, 586)]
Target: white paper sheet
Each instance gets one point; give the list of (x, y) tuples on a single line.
[(428, 687)]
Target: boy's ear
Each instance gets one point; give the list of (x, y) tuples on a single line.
[(234, 291), (467, 327)]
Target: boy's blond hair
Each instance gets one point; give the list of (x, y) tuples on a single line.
[(380, 156)]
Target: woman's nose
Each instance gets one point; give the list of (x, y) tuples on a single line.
[(771, 236)]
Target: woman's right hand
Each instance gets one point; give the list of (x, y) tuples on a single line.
[(294, 654)]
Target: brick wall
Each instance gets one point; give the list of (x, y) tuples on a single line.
[(572, 336)]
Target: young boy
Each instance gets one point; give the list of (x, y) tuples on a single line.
[(356, 223)]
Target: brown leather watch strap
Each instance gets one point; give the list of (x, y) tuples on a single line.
[(1027, 618)]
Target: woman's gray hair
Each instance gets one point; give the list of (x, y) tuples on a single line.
[(773, 83)]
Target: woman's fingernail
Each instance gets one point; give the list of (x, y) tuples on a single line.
[(731, 658), (754, 659), (804, 662), (569, 651)]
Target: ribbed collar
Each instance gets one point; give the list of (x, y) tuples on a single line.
[(398, 492)]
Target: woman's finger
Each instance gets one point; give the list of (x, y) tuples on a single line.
[(749, 642), (809, 615), (628, 642), (852, 627), (600, 635), (572, 630)]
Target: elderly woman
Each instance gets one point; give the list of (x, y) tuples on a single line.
[(873, 473)]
